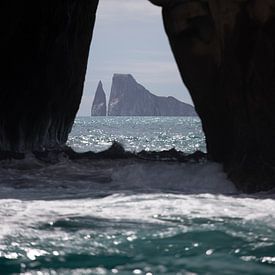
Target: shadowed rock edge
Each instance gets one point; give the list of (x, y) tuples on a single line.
[(225, 53)]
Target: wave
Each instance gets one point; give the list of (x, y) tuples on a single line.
[(129, 214), (114, 170)]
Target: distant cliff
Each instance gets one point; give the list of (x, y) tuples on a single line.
[(99, 107), (129, 98)]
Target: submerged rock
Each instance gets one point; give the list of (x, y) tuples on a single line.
[(129, 98), (99, 107)]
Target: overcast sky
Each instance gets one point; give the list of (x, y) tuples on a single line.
[(129, 38)]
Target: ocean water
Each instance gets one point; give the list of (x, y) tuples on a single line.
[(132, 217), (138, 133)]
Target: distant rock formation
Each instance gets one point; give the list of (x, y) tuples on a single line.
[(129, 98), (99, 107)]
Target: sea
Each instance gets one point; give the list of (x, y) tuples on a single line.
[(132, 216)]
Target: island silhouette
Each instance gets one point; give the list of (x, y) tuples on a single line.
[(129, 98)]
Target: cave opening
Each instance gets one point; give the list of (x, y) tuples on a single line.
[(224, 52), (129, 39)]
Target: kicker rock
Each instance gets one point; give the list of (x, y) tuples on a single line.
[(129, 98), (99, 103)]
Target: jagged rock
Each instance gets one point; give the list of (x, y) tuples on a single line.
[(225, 52), (99, 103), (129, 98)]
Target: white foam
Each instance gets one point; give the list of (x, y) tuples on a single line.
[(18, 215), (139, 191)]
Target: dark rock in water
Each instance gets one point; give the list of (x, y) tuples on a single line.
[(73, 155), (43, 51), (99, 107), (166, 155), (172, 155), (225, 52), (197, 156), (116, 151), (129, 98)]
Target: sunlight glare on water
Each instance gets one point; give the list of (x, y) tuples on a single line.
[(138, 133)]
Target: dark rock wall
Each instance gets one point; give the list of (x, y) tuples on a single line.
[(43, 57), (225, 51)]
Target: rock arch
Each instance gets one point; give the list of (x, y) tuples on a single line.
[(225, 51)]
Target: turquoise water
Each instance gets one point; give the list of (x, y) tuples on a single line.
[(132, 217)]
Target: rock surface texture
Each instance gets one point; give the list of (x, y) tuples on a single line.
[(99, 103), (225, 51), (129, 98), (43, 51)]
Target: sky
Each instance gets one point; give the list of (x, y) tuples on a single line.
[(129, 38)]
